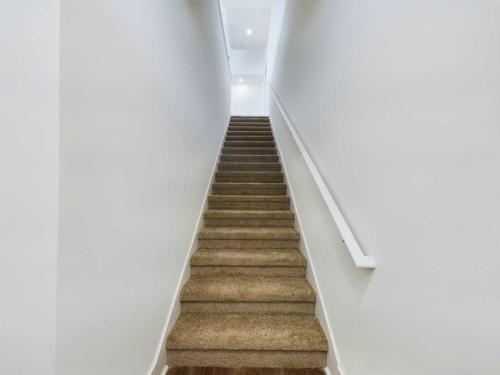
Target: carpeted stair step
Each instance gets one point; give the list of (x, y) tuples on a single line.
[(249, 188), (258, 138), (248, 176), (256, 133), (242, 218), (248, 151), (248, 144), (248, 128), (250, 121), (224, 166), (264, 262), (249, 158), (249, 202), (247, 340), (247, 302), (250, 293), (250, 118), (248, 238), (256, 124)]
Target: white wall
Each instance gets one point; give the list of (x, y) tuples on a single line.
[(248, 62), (248, 99), (397, 102), (28, 185), (145, 100), (277, 13)]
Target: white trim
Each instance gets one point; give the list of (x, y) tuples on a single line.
[(360, 259), (328, 372), (165, 369), (304, 245), (174, 305)]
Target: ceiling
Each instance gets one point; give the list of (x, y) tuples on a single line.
[(249, 53), (240, 19)]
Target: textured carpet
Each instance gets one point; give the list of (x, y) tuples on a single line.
[(248, 303)]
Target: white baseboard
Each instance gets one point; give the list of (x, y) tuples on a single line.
[(174, 308), (312, 276)]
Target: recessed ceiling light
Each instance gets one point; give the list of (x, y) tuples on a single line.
[(240, 80), (249, 31)]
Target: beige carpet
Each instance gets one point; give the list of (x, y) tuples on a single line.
[(248, 302)]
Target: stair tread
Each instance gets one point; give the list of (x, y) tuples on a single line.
[(251, 158), (252, 184), (249, 150), (249, 133), (271, 332), (248, 198), (256, 124), (239, 288), (245, 127), (248, 258), (245, 163), (257, 214), (249, 173), (249, 137), (248, 233), (249, 144)]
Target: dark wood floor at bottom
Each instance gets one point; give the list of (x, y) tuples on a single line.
[(242, 371)]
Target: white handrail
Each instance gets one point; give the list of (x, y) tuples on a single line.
[(360, 259)]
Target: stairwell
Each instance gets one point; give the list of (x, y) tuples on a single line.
[(248, 302)]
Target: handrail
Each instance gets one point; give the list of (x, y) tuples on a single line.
[(224, 37), (360, 259)]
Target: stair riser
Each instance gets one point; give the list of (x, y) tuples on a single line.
[(240, 138), (240, 358), (237, 133), (230, 205), (249, 151), (270, 167), (245, 144), (247, 128), (248, 191), (250, 123), (251, 119), (243, 307), (248, 118), (247, 244), (249, 158), (251, 127), (255, 271), (249, 178), (249, 222)]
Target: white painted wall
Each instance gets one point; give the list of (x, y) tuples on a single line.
[(29, 164), (277, 14), (145, 100), (398, 105), (248, 62), (248, 99)]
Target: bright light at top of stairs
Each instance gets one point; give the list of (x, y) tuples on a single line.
[(249, 32)]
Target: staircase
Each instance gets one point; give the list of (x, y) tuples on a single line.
[(248, 302)]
